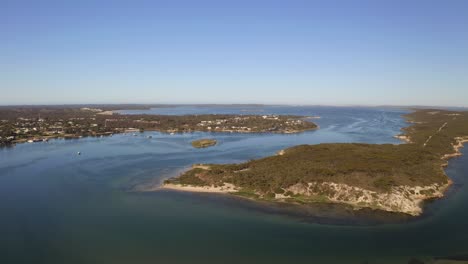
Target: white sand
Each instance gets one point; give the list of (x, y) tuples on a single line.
[(226, 188)]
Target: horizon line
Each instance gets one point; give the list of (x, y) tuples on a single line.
[(235, 104)]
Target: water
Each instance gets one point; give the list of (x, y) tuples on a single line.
[(58, 207)]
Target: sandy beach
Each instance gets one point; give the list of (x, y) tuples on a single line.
[(226, 188)]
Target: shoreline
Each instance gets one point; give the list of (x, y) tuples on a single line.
[(411, 207), (106, 134), (227, 188), (456, 147), (405, 138), (330, 213)]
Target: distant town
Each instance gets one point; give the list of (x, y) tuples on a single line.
[(37, 124)]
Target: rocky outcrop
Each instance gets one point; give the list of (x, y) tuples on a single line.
[(401, 199), (459, 141), (404, 138)]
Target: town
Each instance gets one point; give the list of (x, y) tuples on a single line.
[(37, 124)]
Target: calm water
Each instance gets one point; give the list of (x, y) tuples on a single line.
[(58, 207)]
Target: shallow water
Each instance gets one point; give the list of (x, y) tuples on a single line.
[(58, 207)]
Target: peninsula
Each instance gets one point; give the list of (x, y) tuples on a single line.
[(395, 178)]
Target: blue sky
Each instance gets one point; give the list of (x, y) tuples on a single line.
[(281, 52)]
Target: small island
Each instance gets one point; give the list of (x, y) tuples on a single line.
[(204, 143), (394, 178)]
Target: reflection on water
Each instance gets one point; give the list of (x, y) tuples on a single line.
[(58, 207)]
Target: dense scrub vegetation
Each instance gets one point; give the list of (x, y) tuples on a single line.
[(442, 127), (370, 166), (375, 167)]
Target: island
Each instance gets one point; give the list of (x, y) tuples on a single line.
[(19, 124), (390, 177), (204, 143)]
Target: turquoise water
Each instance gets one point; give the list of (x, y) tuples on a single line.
[(58, 207)]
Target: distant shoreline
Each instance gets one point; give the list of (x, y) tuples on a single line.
[(20, 125)]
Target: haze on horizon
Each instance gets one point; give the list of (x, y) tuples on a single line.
[(270, 52)]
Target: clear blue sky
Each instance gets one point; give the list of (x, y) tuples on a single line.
[(289, 52)]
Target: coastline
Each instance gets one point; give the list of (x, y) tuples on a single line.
[(399, 199), (105, 134), (226, 188), (405, 138), (456, 147), (402, 199)]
